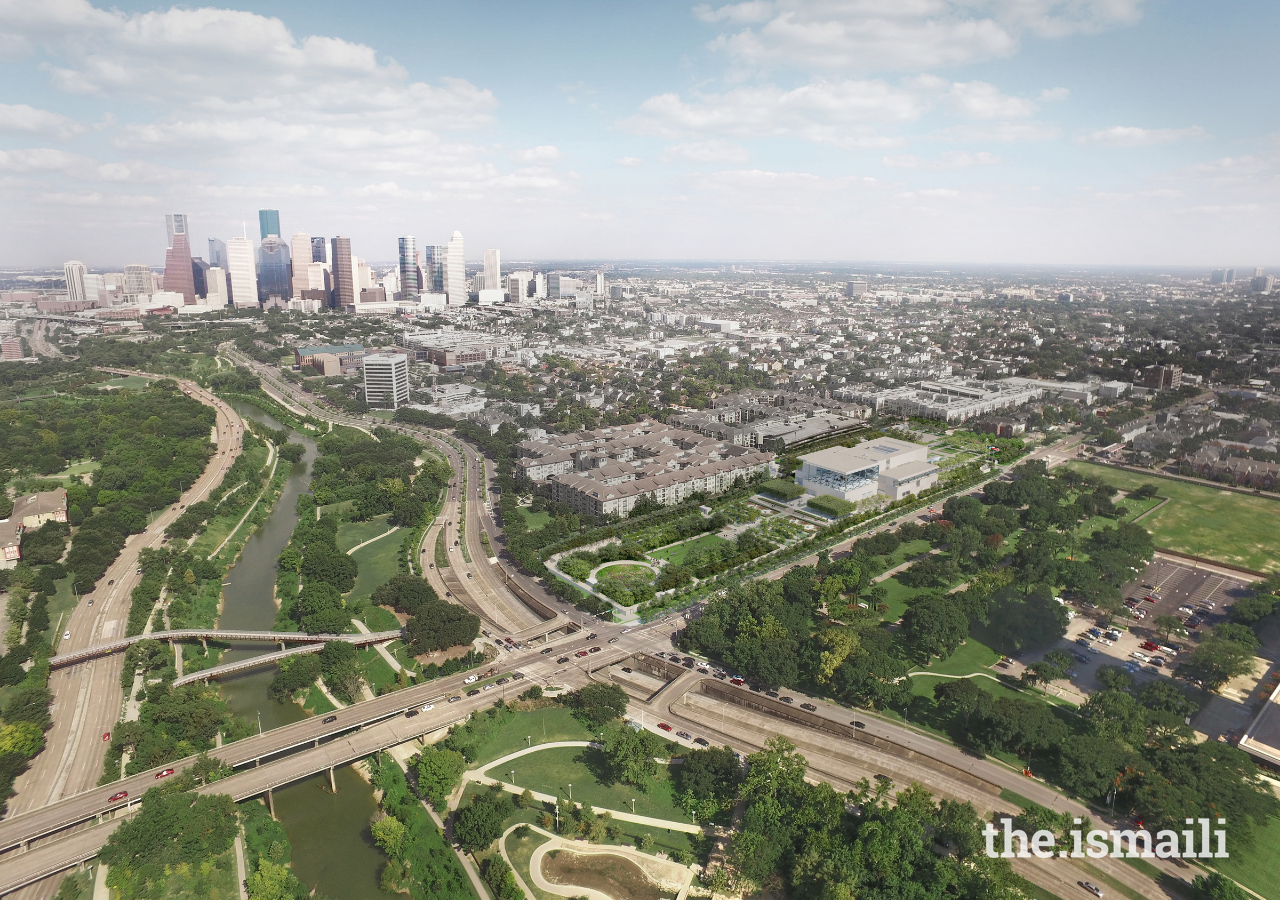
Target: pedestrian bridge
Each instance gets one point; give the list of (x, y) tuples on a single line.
[(207, 634)]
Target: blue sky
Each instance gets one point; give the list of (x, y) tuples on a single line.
[(951, 131)]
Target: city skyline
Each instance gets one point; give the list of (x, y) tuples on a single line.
[(991, 133)]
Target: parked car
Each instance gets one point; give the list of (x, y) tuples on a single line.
[(787, 700), (684, 734), (664, 726), (1138, 654), (701, 742), (738, 681), (454, 699), (594, 650), (1148, 645), (473, 693)]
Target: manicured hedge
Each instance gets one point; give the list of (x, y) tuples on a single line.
[(779, 487), (837, 506)]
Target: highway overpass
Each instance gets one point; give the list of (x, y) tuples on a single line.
[(209, 634)]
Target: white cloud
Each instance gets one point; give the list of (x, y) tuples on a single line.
[(954, 159), (1130, 136), (900, 34), (1001, 132), (979, 100), (543, 153), (705, 152), (26, 119), (629, 161), (930, 194)]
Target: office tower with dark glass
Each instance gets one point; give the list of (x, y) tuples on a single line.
[(344, 285), (318, 249), (409, 286), (433, 269), (273, 270), (269, 222), (178, 276), (218, 253)]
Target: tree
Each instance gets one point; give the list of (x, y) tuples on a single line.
[(342, 669), (479, 825), (630, 757), (1248, 610), (390, 834), (598, 704), (1216, 886), (1216, 661), (1166, 625), (271, 881), (710, 774), (962, 696), (934, 625), (437, 773)]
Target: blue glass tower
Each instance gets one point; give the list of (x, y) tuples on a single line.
[(273, 269), (269, 222)]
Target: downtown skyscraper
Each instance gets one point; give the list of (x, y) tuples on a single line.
[(409, 286), (455, 271), (268, 223), (344, 285), (178, 276)]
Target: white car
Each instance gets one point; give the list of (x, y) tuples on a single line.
[(428, 707), (1138, 654), (66, 635), (471, 679), (1107, 641)]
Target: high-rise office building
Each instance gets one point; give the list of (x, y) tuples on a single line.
[(269, 222), (178, 276), (344, 285), (273, 270), (561, 286), (200, 275), (455, 271), (95, 286), (386, 380), (409, 286), (317, 277), (318, 253), (492, 270), (215, 282), (518, 286), (433, 269), (600, 291), (137, 282), (174, 224), (75, 272), (218, 253), (300, 253), (540, 286), (242, 274)]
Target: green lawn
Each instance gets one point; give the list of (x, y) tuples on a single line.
[(625, 570), (1205, 521), (1257, 867), (542, 726), (379, 619), (534, 520), (896, 596), (552, 771), (923, 685), (376, 670), (972, 656), (351, 534), (80, 468), (316, 702), (61, 605), (338, 508), (521, 850), (378, 562), (676, 553), (909, 550), (129, 382)]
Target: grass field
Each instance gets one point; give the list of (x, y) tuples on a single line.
[(676, 553), (80, 468), (61, 605), (552, 771), (923, 685), (337, 508), (520, 850), (1205, 521), (1257, 867), (534, 520), (128, 382), (541, 726), (352, 534), (316, 702), (376, 670), (378, 562), (623, 570), (969, 657), (379, 619)]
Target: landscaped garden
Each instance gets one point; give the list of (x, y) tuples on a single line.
[(676, 553)]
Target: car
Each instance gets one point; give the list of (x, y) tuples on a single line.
[(684, 734), (430, 565), (592, 636), (563, 659), (1080, 657), (661, 654), (702, 742), (1083, 642), (1091, 888), (738, 681), (664, 726), (118, 796), (689, 659), (428, 707), (856, 724), (1169, 649), (809, 706), (1107, 642), (883, 778), (581, 653), (703, 670), (410, 713), (1095, 633), (139, 572), (473, 693), (503, 680), (468, 574), (498, 643), (1139, 613), (1002, 665), (1148, 645), (111, 582), (787, 700), (329, 720), (471, 679), (594, 650), (773, 694), (626, 669), (1157, 661), (687, 665), (516, 676), (1210, 604), (66, 635), (613, 640), (91, 601), (545, 651), (488, 687), (164, 774), (1149, 599), (1138, 654), (1184, 608), (106, 735), (626, 631), (455, 699)]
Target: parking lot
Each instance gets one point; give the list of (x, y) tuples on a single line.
[(1196, 597)]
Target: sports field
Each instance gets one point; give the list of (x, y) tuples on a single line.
[(1205, 521)]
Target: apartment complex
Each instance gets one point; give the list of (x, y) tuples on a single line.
[(608, 470), (951, 400)]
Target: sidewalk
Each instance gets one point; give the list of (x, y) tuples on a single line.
[(382, 650), (665, 873)]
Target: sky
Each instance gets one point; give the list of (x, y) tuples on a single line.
[(1038, 132)]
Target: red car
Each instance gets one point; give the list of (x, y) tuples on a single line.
[(595, 650), (1149, 599), (738, 681), (581, 653), (106, 736), (1149, 645), (116, 798), (664, 726), (165, 774)]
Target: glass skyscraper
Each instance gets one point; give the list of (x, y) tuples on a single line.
[(269, 222), (319, 252), (433, 270), (408, 268), (217, 253), (273, 269)]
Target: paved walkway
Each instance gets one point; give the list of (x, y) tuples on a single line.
[(382, 650), (670, 876), (273, 457), (372, 539), (478, 776)]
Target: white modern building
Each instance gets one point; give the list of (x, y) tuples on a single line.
[(216, 285), (455, 271), (300, 253), (75, 272), (518, 286), (386, 380), (492, 270), (242, 273), (886, 466)]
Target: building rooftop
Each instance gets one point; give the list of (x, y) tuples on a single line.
[(844, 460)]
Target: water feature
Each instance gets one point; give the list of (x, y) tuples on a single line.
[(332, 847)]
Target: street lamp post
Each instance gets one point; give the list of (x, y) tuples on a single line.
[(633, 806), (570, 793)]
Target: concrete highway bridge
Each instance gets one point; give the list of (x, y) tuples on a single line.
[(207, 634)]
